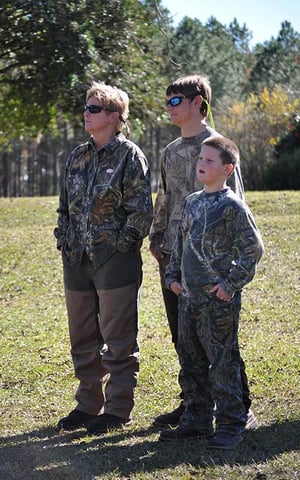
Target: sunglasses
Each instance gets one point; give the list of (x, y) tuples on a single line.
[(174, 101), (95, 108)]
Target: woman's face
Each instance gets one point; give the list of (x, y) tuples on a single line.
[(96, 116)]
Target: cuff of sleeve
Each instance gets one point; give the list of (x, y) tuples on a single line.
[(169, 281), (227, 287), (155, 241), (123, 246), (125, 242)]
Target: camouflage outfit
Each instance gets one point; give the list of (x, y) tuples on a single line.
[(105, 211), (105, 202), (217, 242), (177, 181)]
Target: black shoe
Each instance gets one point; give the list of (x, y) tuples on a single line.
[(225, 441), (106, 422), (75, 420), (183, 432), (170, 419)]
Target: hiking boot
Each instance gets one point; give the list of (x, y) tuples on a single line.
[(106, 422), (225, 441), (183, 432), (251, 421), (170, 419), (76, 419)]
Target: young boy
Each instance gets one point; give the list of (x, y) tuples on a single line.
[(105, 211), (188, 102), (216, 253)]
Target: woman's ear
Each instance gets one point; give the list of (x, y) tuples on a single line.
[(114, 116)]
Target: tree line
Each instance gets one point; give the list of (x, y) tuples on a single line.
[(50, 51)]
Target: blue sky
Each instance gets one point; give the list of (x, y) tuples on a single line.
[(262, 17)]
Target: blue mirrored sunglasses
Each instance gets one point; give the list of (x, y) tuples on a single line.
[(174, 101)]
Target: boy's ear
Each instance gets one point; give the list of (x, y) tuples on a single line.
[(228, 169), (198, 99)]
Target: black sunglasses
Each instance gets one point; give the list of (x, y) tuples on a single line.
[(95, 108), (174, 101)]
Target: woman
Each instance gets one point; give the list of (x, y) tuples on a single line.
[(105, 211)]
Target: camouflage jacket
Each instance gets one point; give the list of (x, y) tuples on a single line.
[(105, 202), (217, 242), (177, 180)]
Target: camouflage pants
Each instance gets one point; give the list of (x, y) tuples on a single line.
[(210, 362)]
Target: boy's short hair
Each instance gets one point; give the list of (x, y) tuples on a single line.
[(192, 85), (228, 150), (112, 98)]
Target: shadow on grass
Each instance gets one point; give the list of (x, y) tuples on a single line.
[(45, 454)]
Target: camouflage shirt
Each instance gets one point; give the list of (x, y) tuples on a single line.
[(177, 180), (105, 202), (217, 242)]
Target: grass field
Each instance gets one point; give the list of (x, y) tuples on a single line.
[(36, 375)]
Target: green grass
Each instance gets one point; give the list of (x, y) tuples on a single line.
[(36, 374)]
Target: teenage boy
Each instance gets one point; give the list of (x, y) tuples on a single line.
[(188, 101), (215, 255), (105, 211)]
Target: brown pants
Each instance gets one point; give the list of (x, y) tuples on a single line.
[(103, 326)]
